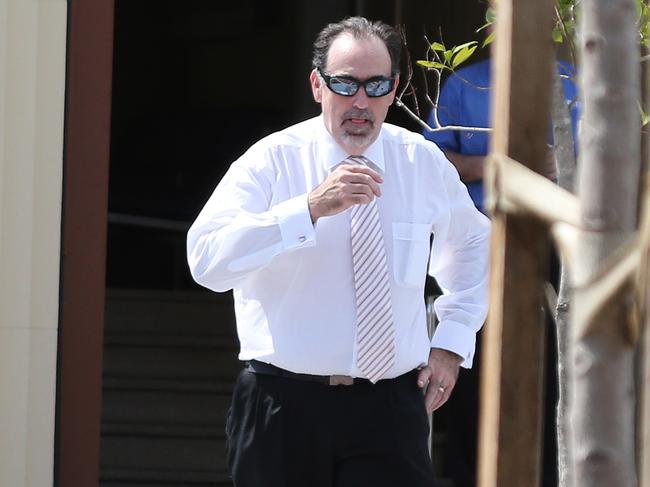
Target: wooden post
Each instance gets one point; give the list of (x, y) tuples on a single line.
[(513, 357)]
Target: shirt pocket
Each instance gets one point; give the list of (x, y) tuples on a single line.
[(410, 253)]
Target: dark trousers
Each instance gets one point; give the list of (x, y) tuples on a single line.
[(284, 432)]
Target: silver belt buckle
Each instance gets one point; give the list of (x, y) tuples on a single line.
[(341, 380)]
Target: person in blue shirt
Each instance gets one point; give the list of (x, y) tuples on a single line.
[(465, 100)]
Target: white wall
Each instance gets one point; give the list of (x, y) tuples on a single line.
[(32, 89)]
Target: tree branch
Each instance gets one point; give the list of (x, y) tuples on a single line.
[(517, 189)]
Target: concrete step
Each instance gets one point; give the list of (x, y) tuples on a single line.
[(170, 361)]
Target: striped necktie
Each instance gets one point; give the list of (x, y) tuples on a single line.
[(375, 327)]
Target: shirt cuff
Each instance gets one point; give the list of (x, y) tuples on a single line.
[(456, 338), (295, 223)]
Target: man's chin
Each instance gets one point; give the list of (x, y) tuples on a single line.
[(358, 141)]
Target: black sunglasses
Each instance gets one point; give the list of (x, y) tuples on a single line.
[(348, 86)]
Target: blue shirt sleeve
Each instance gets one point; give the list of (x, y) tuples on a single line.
[(449, 111), (568, 73)]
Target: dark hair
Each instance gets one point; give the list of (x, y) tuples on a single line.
[(359, 28)]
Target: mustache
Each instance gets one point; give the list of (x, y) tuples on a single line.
[(356, 113)]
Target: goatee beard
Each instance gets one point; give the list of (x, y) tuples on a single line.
[(357, 140)]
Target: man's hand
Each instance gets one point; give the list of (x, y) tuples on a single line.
[(347, 185), (439, 377)]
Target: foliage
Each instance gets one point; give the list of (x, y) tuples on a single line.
[(564, 29), (643, 11), (449, 58), (441, 58), (564, 32)]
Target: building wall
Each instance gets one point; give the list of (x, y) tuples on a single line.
[(32, 91)]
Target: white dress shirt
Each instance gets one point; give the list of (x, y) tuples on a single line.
[(293, 282)]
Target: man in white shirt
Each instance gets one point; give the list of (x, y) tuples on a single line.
[(324, 231)]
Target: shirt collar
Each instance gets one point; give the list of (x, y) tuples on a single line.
[(333, 154)]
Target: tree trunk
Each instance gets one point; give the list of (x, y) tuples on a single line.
[(602, 367), (565, 160)]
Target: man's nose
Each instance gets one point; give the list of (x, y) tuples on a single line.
[(360, 99)]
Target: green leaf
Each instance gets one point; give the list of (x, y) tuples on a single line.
[(645, 30), (447, 55), (462, 56), (490, 15), (431, 65), (645, 118), (484, 26), (460, 47), (489, 39), (436, 46), (557, 36)]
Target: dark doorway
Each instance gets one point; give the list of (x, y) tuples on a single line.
[(195, 83)]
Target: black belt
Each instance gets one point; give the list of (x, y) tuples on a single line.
[(258, 367)]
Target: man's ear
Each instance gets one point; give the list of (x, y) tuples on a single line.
[(316, 85)]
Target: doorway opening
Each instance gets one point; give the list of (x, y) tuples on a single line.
[(195, 83)]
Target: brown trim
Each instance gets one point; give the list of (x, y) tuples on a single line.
[(85, 197)]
